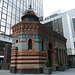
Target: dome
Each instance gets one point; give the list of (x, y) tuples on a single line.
[(30, 15), (29, 12)]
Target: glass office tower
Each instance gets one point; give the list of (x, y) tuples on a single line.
[(11, 12)]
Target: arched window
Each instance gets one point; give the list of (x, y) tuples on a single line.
[(50, 46), (30, 44), (42, 45)]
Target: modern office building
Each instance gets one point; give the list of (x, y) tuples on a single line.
[(64, 24), (11, 12)]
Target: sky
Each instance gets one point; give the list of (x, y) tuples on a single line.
[(50, 6)]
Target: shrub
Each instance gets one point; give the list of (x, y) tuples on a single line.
[(61, 63), (47, 63)]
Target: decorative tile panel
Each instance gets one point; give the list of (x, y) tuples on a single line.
[(37, 46), (21, 45), (23, 37)]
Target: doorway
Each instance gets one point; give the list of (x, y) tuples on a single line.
[(50, 57)]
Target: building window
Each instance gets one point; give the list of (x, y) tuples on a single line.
[(50, 46), (1, 60), (17, 41), (30, 44), (42, 45), (74, 23)]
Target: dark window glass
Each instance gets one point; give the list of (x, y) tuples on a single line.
[(16, 41), (30, 44), (42, 45), (1, 60), (50, 46)]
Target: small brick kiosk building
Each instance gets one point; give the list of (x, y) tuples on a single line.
[(33, 44)]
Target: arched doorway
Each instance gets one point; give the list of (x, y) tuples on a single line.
[(50, 53)]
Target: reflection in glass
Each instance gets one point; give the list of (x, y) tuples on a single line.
[(18, 4), (4, 8), (10, 0), (5, 4), (9, 14), (8, 19), (8, 25), (13, 11), (7, 31), (13, 16), (6, 1), (2, 29), (14, 2), (11, 31), (4, 11), (13, 21), (3, 23), (9, 9), (3, 20), (17, 21), (3, 16), (10, 3), (17, 13)]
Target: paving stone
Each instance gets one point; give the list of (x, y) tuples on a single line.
[(66, 72)]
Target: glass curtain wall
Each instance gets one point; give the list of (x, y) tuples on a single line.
[(11, 12)]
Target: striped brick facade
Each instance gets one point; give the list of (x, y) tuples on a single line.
[(30, 45), (24, 59)]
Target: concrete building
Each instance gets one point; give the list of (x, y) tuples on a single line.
[(64, 24)]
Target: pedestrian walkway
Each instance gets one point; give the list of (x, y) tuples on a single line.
[(66, 72)]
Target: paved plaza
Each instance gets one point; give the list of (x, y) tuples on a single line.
[(66, 72)]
